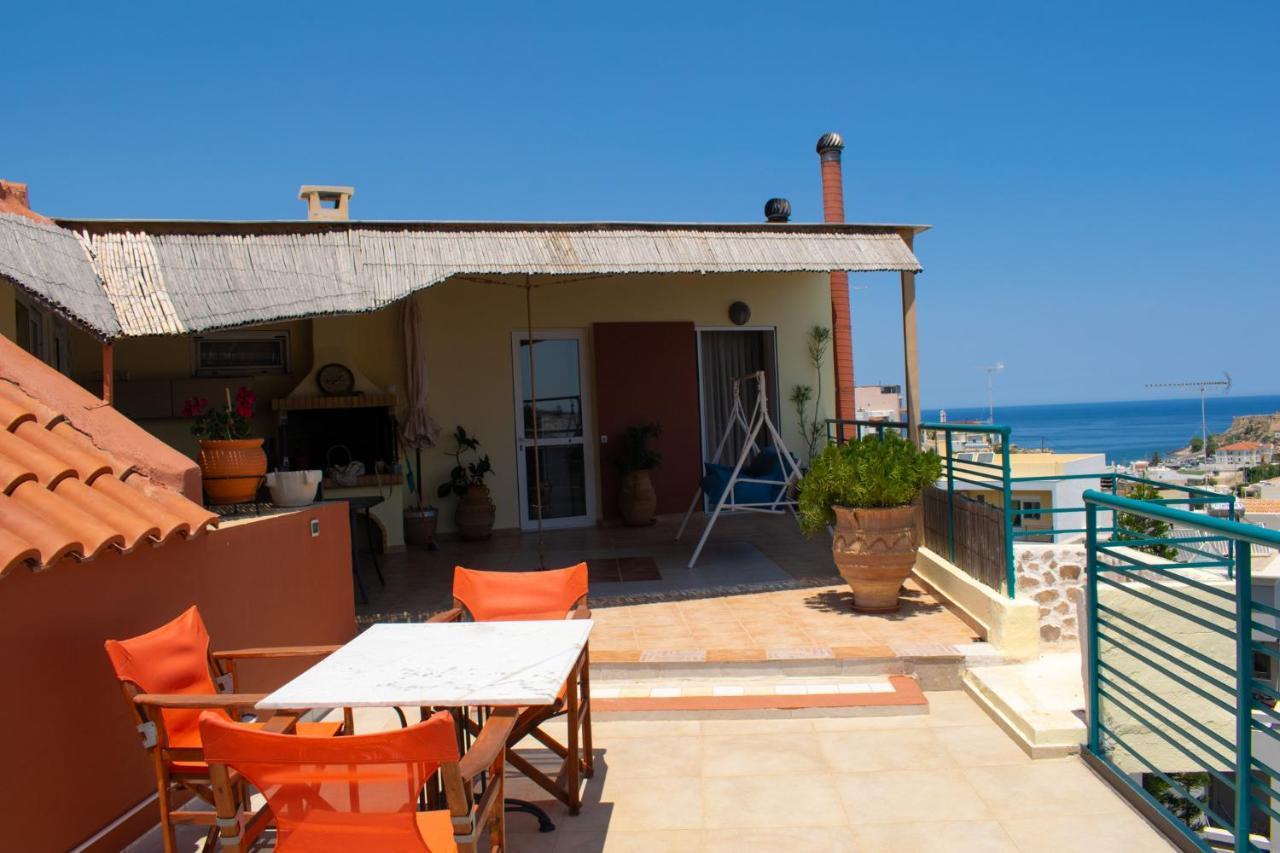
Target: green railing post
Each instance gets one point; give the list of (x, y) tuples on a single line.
[(1006, 486), (1244, 695), (951, 501), (1091, 617)]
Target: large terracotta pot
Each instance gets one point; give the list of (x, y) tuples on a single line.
[(475, 514), (637, 501), (233, 469), (875, 550)]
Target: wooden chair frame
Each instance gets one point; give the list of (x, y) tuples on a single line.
[(171, 785), (469, 810), (577, 756)]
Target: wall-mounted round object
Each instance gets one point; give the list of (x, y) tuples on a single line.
[(335, 378), (739, 313)]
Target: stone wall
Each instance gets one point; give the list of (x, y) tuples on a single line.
[(1048, 574)]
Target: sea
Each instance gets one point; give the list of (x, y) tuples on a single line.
[(1124, 431)]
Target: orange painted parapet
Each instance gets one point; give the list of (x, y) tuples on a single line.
[(263, 582)]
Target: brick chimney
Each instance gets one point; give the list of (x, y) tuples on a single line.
[(332, 204), (830, 147), (14, 199)]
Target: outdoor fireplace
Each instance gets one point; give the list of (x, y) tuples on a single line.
[(323, 432)]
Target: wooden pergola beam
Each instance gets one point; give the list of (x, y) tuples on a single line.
[(910, 346)]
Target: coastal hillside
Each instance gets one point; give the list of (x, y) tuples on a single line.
[(1259, 428)]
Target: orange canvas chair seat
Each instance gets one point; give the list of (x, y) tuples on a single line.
[(486, 596), (520, 596), (361, 792), (170, 676)]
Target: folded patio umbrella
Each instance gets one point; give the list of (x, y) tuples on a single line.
[(417, 428)]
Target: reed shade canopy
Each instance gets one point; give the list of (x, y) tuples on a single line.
[(131, 279)]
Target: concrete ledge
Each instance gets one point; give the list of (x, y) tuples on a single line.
[(1033, 702), (1011, 625)]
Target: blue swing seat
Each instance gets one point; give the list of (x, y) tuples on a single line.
[(766, 466)]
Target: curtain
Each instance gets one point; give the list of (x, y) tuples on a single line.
[(728, 355)]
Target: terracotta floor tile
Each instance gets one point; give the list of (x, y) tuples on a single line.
[(773, 802), (969, 836)]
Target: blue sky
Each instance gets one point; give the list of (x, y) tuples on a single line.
[(1102, 178)]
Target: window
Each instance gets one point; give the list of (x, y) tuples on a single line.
[(1026, 509), (241, 353)]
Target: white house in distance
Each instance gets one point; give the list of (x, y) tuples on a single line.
[(1243, 453), (1048, 490), (878, 402)]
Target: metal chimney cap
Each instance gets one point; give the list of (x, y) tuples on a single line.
[(830, 141), (777, 210)]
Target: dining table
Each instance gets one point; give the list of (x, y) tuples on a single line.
[(450, 665)]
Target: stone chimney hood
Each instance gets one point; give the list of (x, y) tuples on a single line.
[(331, 204)]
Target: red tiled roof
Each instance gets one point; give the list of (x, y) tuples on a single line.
[(1242, 445), (62, 494), (1255, 505)]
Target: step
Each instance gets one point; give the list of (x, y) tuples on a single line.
[(1037, 703), (757, 696), (935, 667)]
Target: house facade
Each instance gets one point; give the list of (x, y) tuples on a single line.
[(1242, 453), (630, 324)]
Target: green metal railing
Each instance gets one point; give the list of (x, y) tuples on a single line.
[(1173, 697), (841, 431), (977, 465)]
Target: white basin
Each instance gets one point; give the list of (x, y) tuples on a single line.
[(294, 488)]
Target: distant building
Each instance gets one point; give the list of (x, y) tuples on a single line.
[(1243, 453), (1033, 497), (878, 402)]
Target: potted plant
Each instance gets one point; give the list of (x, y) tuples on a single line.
[(868, 490), (475, 512), (637, 501), (232, 463)]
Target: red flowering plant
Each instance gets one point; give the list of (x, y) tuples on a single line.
[(221, 423)]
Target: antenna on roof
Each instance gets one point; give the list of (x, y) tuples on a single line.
[(1224, 383), (991, 369)]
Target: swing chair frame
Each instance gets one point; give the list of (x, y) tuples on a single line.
[(751, 428)]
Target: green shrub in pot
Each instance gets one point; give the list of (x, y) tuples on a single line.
[(867, 490)]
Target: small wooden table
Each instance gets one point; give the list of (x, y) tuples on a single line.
[(450, 665)]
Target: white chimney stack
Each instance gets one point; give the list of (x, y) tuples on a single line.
[(327, 203)]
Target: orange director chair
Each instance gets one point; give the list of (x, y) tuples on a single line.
[(361, 792), (525, 596), (169, 676)]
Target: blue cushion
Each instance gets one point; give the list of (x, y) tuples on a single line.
[(716, 478)]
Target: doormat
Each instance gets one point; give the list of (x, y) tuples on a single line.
[(623, 569)]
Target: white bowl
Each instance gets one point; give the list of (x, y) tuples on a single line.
[(294, 488)]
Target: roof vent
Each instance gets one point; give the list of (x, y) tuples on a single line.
[(830, 145), (327, 203), (777, 210)]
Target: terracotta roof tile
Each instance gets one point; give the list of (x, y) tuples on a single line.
[(1267, 505), (63, 495)]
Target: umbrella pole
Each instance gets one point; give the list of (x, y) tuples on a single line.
[(533, 413), (417, 473)]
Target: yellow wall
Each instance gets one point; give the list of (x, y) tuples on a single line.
[(8, 320), (468, 326), (160, 369)]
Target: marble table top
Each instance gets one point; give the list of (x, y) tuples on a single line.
[(451, 664)]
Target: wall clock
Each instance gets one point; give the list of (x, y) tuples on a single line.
[(335, 379)]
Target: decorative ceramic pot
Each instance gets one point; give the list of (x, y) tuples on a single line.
[(637, 501), (420, 527), (875, 550), (475, 514), (233, 469)]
